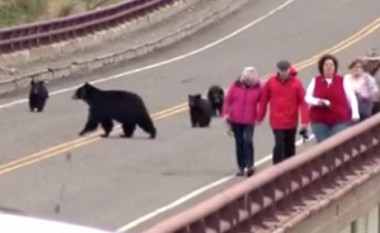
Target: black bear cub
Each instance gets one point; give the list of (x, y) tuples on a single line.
[(106, 106), (215, 96), (200, 111), (38, 95)]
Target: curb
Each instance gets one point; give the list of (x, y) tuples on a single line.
[(77, 67)]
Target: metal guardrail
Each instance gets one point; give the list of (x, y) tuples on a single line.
[(280, 197), (48, 32)]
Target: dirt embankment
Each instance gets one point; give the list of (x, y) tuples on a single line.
[(15, 12)]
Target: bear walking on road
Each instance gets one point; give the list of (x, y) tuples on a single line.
[(215, 96), (106, 106), (38, 95), (200, 111)]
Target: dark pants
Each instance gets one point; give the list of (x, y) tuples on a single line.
[(364, 117), (284, 144), (366, 107), (376, 108), (244, 145)]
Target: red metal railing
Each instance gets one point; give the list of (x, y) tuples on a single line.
[(283, 195), (36, 34)]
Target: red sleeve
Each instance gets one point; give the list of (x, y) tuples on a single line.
[(228, 102), (264, 99), (259, 99), (304, 108)]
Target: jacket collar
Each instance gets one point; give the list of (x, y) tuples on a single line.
[(291, 77), (240, 84)]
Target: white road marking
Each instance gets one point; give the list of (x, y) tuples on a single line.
[(191, 195), (169, 61)]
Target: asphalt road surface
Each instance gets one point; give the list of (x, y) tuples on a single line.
[(111, 182)]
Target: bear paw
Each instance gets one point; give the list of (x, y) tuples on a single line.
[(152, 135)]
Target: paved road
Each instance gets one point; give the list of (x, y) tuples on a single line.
[(114, 181)]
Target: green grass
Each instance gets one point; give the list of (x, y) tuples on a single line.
[(21, 11), (15, 12)]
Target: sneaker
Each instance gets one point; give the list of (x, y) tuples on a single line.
[(249, 172), (240, 173)]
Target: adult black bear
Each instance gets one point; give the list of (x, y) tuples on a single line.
[(38, 95), (200, 111), (215, 96), (105, 106)]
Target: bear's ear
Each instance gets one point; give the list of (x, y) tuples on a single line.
[(32, 82), (86, 85)]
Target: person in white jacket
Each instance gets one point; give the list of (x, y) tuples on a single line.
[(364, 86)]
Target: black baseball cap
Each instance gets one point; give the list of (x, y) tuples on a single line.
[(283, 65)]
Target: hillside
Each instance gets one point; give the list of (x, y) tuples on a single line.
[(14, 12)]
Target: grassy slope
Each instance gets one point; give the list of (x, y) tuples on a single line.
[(15, 12)]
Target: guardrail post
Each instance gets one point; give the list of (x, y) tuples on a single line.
[(354, 227), (378, 218), (374, 220)]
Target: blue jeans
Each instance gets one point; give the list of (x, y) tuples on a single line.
[(244, 145), (322, 131)]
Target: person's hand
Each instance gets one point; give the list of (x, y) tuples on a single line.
[(321, 103), (355, 118), (225, 118), (360, 92), (357, 92), (304, 133), (229, 125)]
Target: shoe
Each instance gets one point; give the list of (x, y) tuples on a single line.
[(249, 172), (240, 173)]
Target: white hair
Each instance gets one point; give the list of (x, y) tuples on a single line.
[(249, 71)]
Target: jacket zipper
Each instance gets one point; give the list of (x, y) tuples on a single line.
[(244, 102)]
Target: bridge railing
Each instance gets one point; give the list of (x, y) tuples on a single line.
[(280, 197), (42, 33)]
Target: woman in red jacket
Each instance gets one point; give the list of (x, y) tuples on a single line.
[(285, 94), (240, 110), (332, 100)]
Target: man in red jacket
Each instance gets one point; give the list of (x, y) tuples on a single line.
[(285, 94)]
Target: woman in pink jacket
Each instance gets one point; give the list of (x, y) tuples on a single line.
[(240, 110)]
